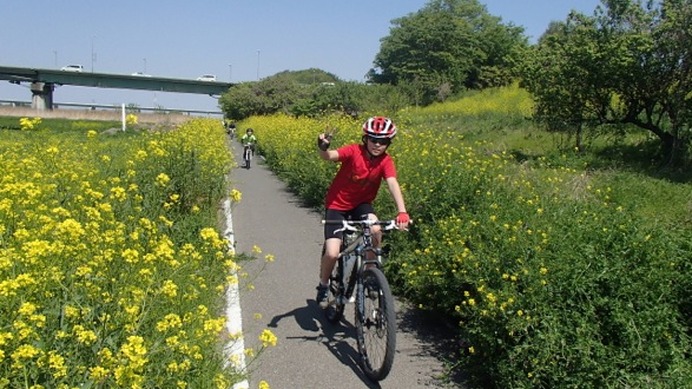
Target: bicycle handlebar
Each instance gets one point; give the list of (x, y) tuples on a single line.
[(357, 225)]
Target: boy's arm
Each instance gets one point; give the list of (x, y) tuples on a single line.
[(323, 149), (395, 190), (402, 218)]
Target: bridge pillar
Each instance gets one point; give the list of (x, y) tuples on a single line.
[(42, 95)]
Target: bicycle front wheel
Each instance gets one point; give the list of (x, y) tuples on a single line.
[(375, 325), (246, 157)]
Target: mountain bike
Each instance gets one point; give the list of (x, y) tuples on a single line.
[(358, 277), (247, 154)]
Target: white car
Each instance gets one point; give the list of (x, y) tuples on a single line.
[(73, 68), (141, 74), (206, 77)]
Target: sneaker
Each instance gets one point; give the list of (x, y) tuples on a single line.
[(322, 295)]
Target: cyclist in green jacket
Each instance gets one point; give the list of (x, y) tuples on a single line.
[(249, 139)]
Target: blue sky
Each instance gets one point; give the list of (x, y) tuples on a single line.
[(236, 40)]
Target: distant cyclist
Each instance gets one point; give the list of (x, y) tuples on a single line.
[(249, 140), (363, 168), (230, 130)]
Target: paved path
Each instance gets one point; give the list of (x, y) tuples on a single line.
[(311, 352)]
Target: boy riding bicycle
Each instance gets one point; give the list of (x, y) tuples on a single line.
[(354, 188), (249, 139)]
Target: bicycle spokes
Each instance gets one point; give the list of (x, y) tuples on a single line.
[(375, 325)]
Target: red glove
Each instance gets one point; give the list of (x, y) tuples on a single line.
[(402, 218)]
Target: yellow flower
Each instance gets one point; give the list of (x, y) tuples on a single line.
[(134, 350), (263, 385), (236, 195), (57, 364), (169, 289), (131, 119), (98, 373), (130, 255), (83, 335), (214, 326), (169, 321), (27, 124), (162, 179), (23, 352), (267, 338), (27, 309), (119, 193)]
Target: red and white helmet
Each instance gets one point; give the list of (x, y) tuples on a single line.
[(379, 127)]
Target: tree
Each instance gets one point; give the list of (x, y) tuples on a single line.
[(628, 64), (270, 95), (452, 44), (310, 92)]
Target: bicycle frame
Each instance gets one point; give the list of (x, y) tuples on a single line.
[(359, 245)]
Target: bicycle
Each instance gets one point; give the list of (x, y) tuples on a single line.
[(375, 318), (247, 155)]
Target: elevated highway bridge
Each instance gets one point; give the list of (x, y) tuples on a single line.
[(43, 82)]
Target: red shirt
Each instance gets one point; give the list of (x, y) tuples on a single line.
[(358, 178)]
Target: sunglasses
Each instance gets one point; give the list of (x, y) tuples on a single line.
[(380, 141)]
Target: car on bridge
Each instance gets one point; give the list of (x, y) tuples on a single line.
[(141, 74), (73, 68), (206, 77)]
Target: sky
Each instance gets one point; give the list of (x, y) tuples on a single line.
[(237, 40)]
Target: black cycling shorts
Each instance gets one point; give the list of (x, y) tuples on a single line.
[(358, 213)]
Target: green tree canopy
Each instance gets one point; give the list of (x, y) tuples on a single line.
[(628, 64), (448, 45), (308, 92)]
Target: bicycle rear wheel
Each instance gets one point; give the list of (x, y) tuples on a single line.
[(375, 325)]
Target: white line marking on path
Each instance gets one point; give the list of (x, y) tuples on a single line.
[(235, 349)]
